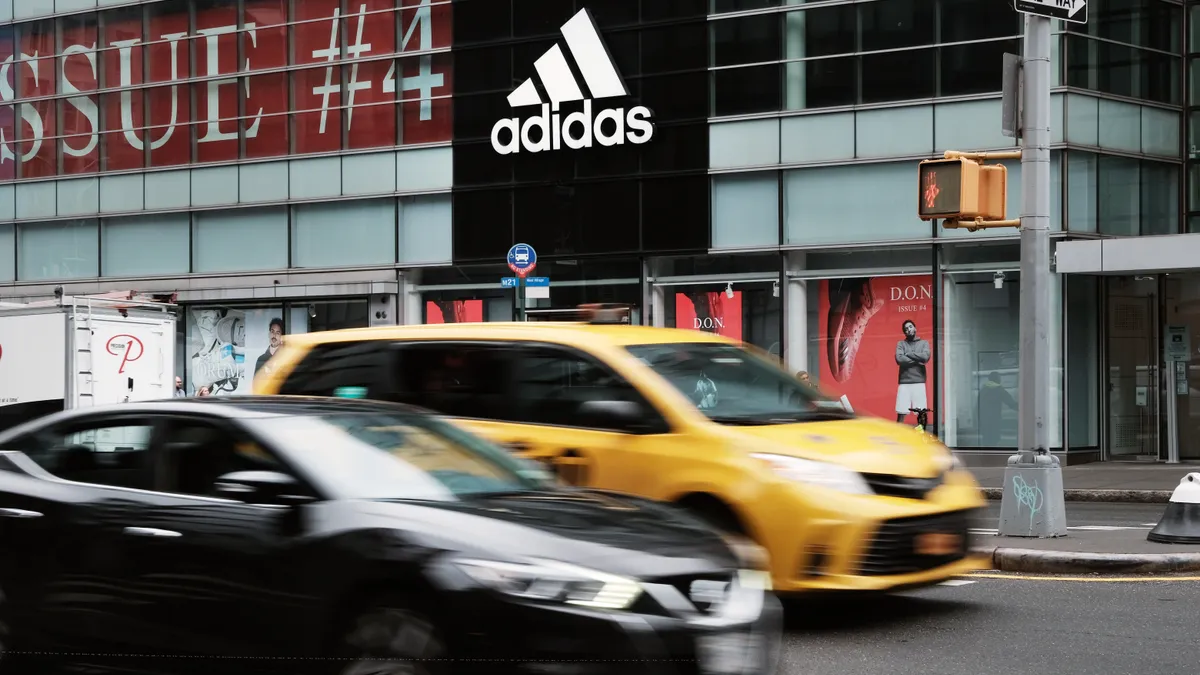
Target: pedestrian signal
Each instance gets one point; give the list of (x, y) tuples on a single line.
[(961, 189)]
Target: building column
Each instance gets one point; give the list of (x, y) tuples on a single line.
[(410, 298), (795, 316), (658, 296)]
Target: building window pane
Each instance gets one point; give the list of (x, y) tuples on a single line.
[(741, 91), (751, 39), (745, 210), (1193, 80), (972, 69), (897, 76), (723, 6), (823, 31), (66, 249), (963, 20), (981, 360), (1145, 23), (1122, 70), (145, 245), (892, 24), (1159, 198), (1083, 361), (240, 240), (850, 204), (1119, 191), (1194, 29), (1081, 191), (426, 229), (344, 233), (1194, 187), (8, 252), (753, 314), (822, 83)]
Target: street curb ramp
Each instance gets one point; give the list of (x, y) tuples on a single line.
[(1121, 496), (1032, 561)]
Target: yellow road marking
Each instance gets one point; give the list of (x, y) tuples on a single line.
[(1026, 577)]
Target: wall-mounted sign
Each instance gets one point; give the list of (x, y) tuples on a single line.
[(1177, 344), (579, 129), (537, 287)]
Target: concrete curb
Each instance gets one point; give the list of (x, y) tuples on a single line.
[(1030, 561), (1122, 496)]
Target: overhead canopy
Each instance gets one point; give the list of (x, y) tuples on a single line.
[(1129, 255)]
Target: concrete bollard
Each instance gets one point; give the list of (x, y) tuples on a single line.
[(1180, 522)]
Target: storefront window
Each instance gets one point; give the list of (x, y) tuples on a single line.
[(749, 312), (1083, 362)]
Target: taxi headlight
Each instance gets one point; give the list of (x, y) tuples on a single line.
[(949, 462), (822, 474), (552, 581)]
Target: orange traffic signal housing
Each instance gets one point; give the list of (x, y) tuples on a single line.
[(961, 189)]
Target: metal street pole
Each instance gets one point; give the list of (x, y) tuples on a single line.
[(1032, 501)]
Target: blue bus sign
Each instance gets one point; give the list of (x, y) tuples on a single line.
[(509, 282), (522, 259), (537, 281)]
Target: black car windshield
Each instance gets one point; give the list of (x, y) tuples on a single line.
[(734, 386), (385, 455)]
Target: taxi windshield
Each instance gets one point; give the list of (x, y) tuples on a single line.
[(733, 386), (401, 456)]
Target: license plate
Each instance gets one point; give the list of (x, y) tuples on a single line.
[(727, 653), (938, 543)]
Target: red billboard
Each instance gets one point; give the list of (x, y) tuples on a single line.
[(150, 114), (717, 312), (454, 311), (875, 339)]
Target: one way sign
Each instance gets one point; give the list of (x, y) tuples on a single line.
[(1074, 11)]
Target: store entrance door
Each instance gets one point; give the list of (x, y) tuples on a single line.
[(1132, 355), (1182, 309)]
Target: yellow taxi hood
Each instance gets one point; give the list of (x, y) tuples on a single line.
[(865, 444)]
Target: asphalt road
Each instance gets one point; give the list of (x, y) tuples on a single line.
[(1008, 626)]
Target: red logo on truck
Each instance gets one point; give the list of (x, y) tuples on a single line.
[(128, 353)]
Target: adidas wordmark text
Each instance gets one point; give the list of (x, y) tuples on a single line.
[(551, 130)]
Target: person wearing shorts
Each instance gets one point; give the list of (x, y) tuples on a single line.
[(912, 353)]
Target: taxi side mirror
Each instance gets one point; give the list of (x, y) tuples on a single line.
[(616, 415)]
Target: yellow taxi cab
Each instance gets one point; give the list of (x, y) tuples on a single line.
[(838, 501)]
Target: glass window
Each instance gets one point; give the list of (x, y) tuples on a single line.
[(822, 83), (1193, 29), (745, 210), (456, 379), (972, 68), (227, 346), (553, 384), (394, 455), (898, 76), (145, 245), (330, 367), (1145, 23), (344, 233), (1122, 70), (1081, 191), (979, 344), (198, 454), (821, 31), (1159, 198), (963, 20), (1119, 191), (892, 24), (1083, 361), (112, 454), (426, 229), (743, 91), (751, 39), (1194, 187), (240, 240), (850, 203), (733, 386), (8, 252), (746, 311), (65, 249), (723, 6)]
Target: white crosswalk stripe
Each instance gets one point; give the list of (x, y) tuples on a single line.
[(957, 582)]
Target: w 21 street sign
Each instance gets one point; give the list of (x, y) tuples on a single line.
[(1074, 11)]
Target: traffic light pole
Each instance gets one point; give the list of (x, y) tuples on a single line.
[(1032, 503)]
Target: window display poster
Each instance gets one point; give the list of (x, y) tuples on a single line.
[(876, 336), (227, 346), (717, 312), (454, 311)]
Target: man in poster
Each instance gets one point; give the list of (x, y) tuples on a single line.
[(276, 341), (912, 353)]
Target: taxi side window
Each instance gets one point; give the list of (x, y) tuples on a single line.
[(330, 368), (459, 379), (553, 383)]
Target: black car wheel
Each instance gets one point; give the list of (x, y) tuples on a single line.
[(389, 638)]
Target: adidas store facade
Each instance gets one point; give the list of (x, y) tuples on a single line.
[(738, 166)]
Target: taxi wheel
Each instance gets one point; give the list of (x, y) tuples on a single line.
[(389, 639)]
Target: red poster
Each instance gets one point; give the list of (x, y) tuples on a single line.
[(715, 312), (38, 121), (454, 311), (123, 64), (265, 97), (875, 341), (81, 113)]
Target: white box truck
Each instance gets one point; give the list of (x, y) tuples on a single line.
[(84, 351)]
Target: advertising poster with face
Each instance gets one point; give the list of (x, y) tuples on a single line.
[(453, 311), (226, 347), (875, 344), (717, 312)]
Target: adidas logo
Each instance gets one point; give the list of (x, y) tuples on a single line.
[(608, 127)]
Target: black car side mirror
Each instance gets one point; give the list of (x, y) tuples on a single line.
[(261, 487), (622, 415)]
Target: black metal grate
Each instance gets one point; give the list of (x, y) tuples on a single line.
[(892, 549), (889, 485)]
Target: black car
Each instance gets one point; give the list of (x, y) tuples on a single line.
[(332, 535)]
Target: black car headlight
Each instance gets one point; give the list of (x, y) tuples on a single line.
[(553, 581)]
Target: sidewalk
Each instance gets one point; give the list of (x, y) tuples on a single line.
[(1104, 481), (1087, 552)]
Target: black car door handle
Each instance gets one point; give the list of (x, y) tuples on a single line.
[(151, 532), (19, 513)]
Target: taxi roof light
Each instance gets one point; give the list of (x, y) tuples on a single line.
[(605, 313)]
